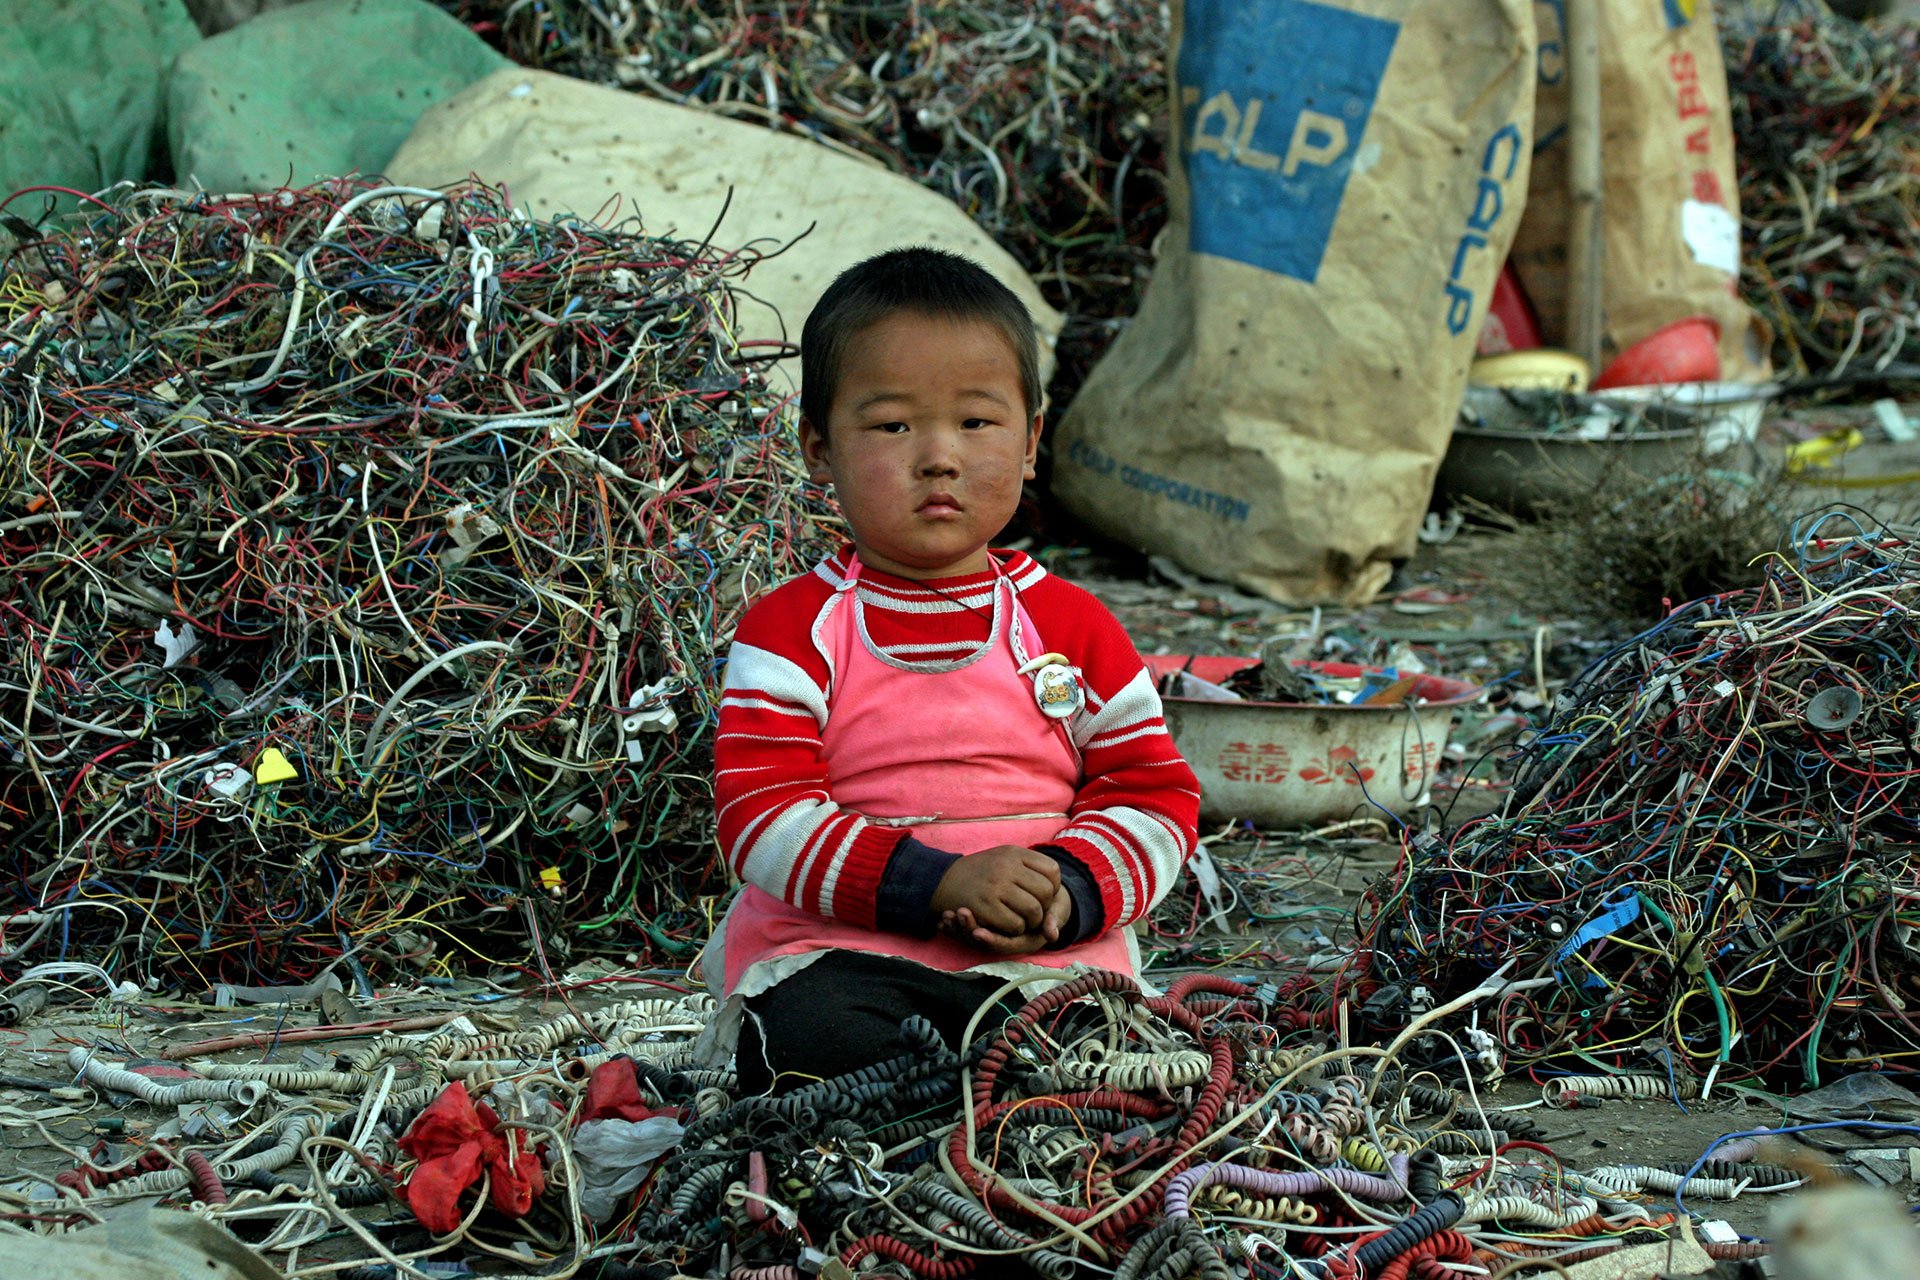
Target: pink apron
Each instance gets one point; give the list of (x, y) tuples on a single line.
[(958, 750)]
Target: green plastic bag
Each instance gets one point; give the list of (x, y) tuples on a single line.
[(81, 87), (313, 91)]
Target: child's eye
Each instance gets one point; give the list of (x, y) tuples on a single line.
[(891, 428), (974, 424)]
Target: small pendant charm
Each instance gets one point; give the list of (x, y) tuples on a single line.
[(1058, 691)]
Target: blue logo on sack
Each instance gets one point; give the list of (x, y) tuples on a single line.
[(1552, 56), (1274, 97)]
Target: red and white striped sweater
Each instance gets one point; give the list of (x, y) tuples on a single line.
[(1132, 823)]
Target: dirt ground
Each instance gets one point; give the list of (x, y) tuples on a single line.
[(41, 1134)]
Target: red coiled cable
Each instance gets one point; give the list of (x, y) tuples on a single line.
[(88, 1176), (1425, 1258), (207, 1187), (1213, 983), (908, 1256)]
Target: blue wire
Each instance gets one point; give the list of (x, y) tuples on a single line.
[(1885, 1125), (1369, 795), (1673, 1086), (280, 1022)]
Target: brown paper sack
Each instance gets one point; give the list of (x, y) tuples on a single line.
[(1671, 207), (1350, 175)]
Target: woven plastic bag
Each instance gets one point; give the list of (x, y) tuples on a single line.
[(319, 89), (1670, 215), (1349, 178), (81, 91)]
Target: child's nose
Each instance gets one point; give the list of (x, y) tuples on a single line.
[(940, 453)]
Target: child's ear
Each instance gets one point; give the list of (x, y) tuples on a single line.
[(813, 447), (1027, 471)]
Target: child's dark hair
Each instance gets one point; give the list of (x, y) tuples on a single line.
[(933, 282)]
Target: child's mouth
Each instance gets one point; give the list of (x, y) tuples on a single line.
[(939, 504)]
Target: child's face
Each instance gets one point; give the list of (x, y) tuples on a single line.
[(928, 442)]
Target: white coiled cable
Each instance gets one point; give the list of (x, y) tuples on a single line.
[(634, 1015), (280, 1075), (420, 1096), (1096, 1065), (1613, 1179), (484, 1071), (1562, 1092), (1283, 1209), (1343, 1110), (632, 1022), (115, 1079), (157, 1183), (1039, 1188), (1642, 1178), (1061, 1144), (653, 1033), (1264, 1066), (670, 1057), (1520, 1211), (293, 1130), (383, 1047), (519, 1044)]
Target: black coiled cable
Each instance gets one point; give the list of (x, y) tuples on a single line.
[(1764, 1177), (855, 1095), (1423, 1176), (348, 1196), (1173, 1250), (1423, 1223)]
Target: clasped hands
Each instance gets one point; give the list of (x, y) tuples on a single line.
[(1006, 900)]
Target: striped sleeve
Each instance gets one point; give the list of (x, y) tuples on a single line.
[(779, 828), (1136, 818)]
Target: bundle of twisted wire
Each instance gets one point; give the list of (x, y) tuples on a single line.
[(1044, 122), (1710, 845), (367, 554), (1826, 113)]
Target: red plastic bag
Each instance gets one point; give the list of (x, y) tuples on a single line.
[(613, 1093), (455, 1140)]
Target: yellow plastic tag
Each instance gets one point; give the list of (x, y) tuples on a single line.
[(273, 767), (1824, 450), (550, 877)]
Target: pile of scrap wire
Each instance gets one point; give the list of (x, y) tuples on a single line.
[(1044, 122), (1827, 115), (1093, 1131), (1710, 847), (366, 554)]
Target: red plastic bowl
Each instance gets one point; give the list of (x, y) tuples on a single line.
[(1685, 351)]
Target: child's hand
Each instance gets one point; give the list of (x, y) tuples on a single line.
[(962, 926), (1006, 889)]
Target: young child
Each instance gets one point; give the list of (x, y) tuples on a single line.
[(937, 765)]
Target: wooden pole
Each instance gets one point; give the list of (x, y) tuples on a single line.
[(1586, 315)]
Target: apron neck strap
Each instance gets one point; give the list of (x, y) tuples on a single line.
[(1005, 618)]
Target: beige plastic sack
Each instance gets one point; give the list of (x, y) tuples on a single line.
[(1671, 207), (1351, 173), (559, 145), (138, 1242)]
